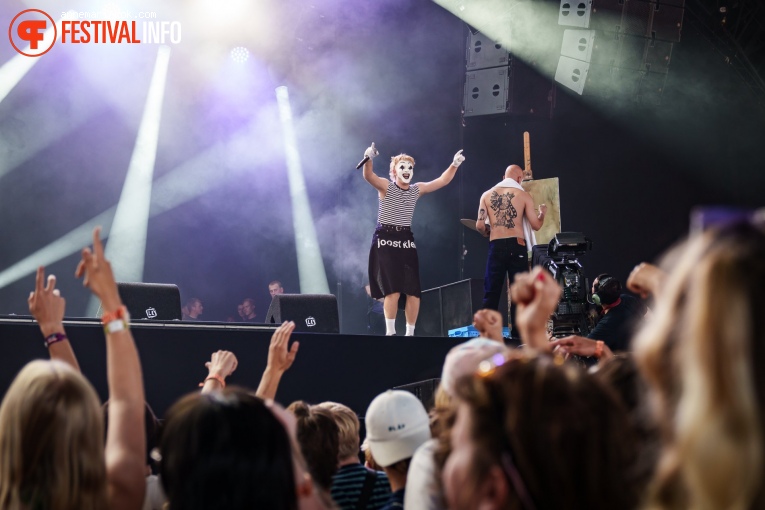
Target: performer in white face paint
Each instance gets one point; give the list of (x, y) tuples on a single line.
[(394, 269)]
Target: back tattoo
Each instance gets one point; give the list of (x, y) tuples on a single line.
[(502, 206)]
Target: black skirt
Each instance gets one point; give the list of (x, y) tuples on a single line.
[(393, 263)]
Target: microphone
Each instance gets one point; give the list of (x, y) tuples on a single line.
[(362, 162)]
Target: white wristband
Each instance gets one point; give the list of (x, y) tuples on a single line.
[(115, 326)]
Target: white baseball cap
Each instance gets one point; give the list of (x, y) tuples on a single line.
[(397, 424)]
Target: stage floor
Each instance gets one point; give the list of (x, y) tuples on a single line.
[(349, 369)]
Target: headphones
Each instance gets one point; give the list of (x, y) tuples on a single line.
[(596, 300)]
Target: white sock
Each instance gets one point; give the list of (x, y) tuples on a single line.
[(390, 326), (409, 329)]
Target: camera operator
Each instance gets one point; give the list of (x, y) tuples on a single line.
[(620, 315)]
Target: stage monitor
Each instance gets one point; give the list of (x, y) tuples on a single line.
[(152, 301), (311, 313)]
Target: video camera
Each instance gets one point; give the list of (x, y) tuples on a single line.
[(561, 258)]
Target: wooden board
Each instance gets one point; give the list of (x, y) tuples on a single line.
[(467, 222), (546, 191)]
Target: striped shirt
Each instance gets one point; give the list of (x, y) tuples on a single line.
[(348, 483), (397, 208)]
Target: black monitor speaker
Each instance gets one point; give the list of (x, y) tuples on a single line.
[(425, 391), (313, 313), (153, 301)]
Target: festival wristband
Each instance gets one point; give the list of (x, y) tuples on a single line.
[(218, 378), (598, 349), (119, 313), (116, 325), (54, 338)]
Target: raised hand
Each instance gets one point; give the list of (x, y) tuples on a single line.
[(371, 152), (542, 209), (536, 295), (222, 364), (489, 323), (46, 304), (646, 279), (581, 346), (98, 275), (458, 158), (280, 357)]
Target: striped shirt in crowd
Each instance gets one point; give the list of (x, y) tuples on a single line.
[(397, 208), (348, 483)]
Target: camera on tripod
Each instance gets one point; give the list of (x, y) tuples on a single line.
[(561, 258)]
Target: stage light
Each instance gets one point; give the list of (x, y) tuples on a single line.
[(127, 240), (240, 54), (313, 278)]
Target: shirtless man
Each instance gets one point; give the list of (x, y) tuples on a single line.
[(505, 207)]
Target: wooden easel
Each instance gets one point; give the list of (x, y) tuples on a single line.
[(543, 191)]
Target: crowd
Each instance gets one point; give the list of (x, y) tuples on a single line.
[(192, 308), (671, 419)]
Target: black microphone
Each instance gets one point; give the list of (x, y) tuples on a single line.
[(361, 163)]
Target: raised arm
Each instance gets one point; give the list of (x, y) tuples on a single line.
[(375, 180), (483, 212), (536, 218), (445, 178), (125, 437), (536, 294), (47, 307), (280, 359)]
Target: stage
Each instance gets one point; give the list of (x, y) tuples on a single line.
[(344, 368)]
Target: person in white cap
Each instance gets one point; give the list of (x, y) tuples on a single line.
[(397, 424)]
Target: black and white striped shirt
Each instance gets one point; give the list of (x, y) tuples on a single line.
[(397, 208)]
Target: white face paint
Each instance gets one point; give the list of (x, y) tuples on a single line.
[(404, 170)]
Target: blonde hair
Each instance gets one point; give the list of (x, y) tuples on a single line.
[(700, 355), (51, 441), (348, 425), (395, 160)]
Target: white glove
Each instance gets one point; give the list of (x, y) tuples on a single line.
[(458, 158), (371, 152)]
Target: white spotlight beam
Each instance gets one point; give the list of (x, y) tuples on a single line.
[(13, 71), (127, 242), (19, 65), (64, 246), (313, 278), (181, 184)]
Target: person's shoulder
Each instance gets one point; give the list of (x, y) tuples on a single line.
[(352, 471), (632, 304)]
